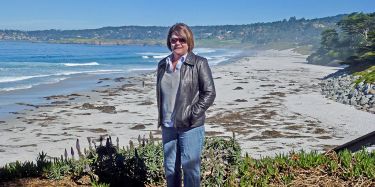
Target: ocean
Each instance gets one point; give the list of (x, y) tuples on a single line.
[(31, 71)]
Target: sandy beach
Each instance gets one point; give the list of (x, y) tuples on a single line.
[(271, 101)]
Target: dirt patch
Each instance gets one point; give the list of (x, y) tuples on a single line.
[(257, 138), (225, 118), (238, 88), (324, 137), (272, 134), (267, 85), (105, 109), (294, 127), (265, 103), (243, 82), (240, 100), (59, 102), (137, 127), (84, 114), (297, 136), (146, 103), (296, 90), (280, 94), (28, 145), (265, 97), (319, 131), (213, 133), (258, 122), (327, 147), (66, 181), (312, 124), (98, 130), (119, 79), (268, 115)]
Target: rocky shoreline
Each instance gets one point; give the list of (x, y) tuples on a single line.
[(340, 87)]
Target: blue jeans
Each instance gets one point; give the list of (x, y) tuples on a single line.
[(183, 147)]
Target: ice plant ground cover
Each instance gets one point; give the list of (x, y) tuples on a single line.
[(106, 163)]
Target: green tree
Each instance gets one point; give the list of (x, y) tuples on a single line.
[(358, 24), (330, 39)]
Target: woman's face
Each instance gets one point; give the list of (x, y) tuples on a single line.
[(178, 45)]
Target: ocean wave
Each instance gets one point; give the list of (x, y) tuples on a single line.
[(89, 72), (21, 78), (104, 71), (141, 69), (82, 64), (15, 79), (204, 50), (23, 87), (16, 88), (159, 56), (153, 55), (217, 60)]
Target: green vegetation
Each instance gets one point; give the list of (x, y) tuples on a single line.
[(216, 43), (366, 76), (353, 43), (290, 32), (108, 41), (222, 165)]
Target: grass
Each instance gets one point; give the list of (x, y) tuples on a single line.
[(106, 164), (367, 75)]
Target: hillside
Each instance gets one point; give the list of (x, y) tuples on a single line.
[(280, 34)]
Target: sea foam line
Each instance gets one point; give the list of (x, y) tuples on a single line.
[(15, 79), (204, 50), (16, 88), (146, 55), (141, 69), (32, 85), (82, 64)]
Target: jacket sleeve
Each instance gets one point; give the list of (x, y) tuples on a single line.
[(207, 91), (157, 86)]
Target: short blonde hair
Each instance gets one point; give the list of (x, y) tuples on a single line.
[(183, 30)]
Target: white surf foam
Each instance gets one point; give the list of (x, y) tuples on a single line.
[(204, 50), (153, 55), (20, 78), (82, 64)]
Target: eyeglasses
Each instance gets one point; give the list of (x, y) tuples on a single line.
[(181, 40)]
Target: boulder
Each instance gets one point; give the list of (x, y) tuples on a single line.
[(353, 101), (364, 100)]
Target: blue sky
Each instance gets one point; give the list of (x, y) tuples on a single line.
[(80, 14)]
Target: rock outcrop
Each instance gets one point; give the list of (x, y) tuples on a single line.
[(340, 87)]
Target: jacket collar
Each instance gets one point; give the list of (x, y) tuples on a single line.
[(190, 58)]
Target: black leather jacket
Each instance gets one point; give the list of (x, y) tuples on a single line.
[(195, 93)]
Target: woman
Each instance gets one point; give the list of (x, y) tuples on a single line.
[(185, 90)]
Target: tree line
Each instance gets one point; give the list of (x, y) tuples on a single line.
[(352, 43), (295, 31)]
